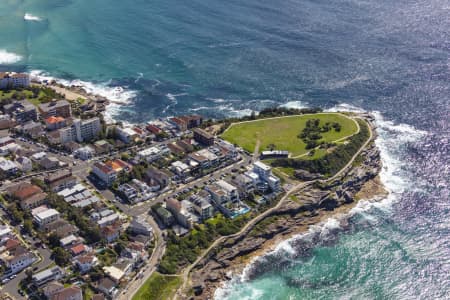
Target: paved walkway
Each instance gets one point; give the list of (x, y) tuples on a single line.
[(253, 222)]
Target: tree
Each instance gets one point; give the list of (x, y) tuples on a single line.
[(28, 226), (53, 240), (16, 214), (61, 256)]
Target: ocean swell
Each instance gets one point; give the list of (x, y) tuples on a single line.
[(391, 139)]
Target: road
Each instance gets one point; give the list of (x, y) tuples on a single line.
[(144, 207), (253, 222), (160, 247)]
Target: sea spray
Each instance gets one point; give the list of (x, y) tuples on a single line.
[(391, 137), (9, 58), (30, 17), (105, 89)]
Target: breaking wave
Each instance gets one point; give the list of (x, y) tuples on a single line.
[(8, 58), (120, 97), (30, 17), (391, 138)]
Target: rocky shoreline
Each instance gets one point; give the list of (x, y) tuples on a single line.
[(310, 206)]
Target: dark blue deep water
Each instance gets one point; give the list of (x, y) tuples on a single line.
[(227, 58)]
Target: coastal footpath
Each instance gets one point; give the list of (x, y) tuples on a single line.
[(307, 203)]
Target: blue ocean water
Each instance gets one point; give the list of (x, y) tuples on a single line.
[(222, 58)]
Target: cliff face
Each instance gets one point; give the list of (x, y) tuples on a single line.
[(307, 207)]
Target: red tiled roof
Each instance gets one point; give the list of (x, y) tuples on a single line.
[(11, 243), (27, 192), (78, 249), (153, 129), (67, 293), (53, 120)]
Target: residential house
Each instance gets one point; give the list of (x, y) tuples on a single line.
[(102, 147), (24, 163), (244, 183), (104, 172), (110, 233), (186, 145), (33, 201), (49, 162), (54, 123), (180, 212), (21, 111), (13, 80), (17, 259), (165, 216), (53, 273), (203, 137), (31, 128), (46, 217), (192, 121), (114, 273), (126, 135), (181, 169), (60, 180), (180, 124), (6, 122), (84, 153), (152, 153), (265, 173), (202, 204), (157, 175), (153, 129), (55, 108), (86, 262), (175, 149), (5, 232), (8, 167), (140, 226), (52, 288), (107, 286), (68, 293), (6, 141)]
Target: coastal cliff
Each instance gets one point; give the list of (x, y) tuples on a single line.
[(307, 207)]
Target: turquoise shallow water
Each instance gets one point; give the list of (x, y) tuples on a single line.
[(222, 58)]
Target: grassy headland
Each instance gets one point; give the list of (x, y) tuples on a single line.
[(158, 287), (282, 133)]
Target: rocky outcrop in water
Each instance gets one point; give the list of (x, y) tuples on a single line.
[(308, 207)]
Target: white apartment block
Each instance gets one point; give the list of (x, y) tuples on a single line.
[(80, 130)]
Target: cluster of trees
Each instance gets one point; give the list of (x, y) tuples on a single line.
[(311, 134), (182, 251), (88, 230), (330, 163)]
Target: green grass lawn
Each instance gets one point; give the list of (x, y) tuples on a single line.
[(45, 95), (158, 287), (283, 132)]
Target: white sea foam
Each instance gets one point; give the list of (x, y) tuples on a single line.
[(391, 137), (8, 58), (173, 99), (345, 107), (228, 110), (119, 97), (30, 17), (295, 104)]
